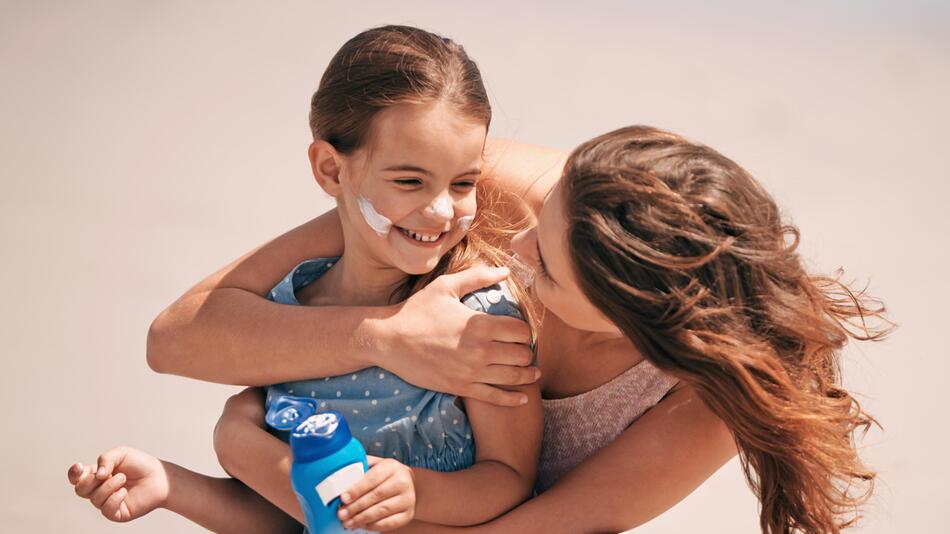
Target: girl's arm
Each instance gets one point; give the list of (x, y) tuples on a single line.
[(247, 452), (654, 464), (507, 448), (224, 504), (126, 484), (507, 445)]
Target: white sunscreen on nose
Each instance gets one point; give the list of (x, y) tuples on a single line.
[(442, 207), (465, 222), (377, 221)]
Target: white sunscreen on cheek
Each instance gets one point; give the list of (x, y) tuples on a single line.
[(465, 222), (377, 221), (442, 207)]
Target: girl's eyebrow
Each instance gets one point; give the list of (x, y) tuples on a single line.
[(414, 168)]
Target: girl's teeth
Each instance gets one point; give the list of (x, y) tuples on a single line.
[(421, 237)]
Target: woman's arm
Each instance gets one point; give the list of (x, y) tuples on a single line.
[(654, 464), (221, 329)]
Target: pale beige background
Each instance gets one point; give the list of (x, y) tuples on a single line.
[(145, 143)]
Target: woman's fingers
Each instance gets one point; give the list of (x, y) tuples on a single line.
[(380, 511), (106, 489), (504, 329), (496, 396), (464, 282), (509, 375)]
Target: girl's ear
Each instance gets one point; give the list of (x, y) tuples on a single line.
[(326, 163)]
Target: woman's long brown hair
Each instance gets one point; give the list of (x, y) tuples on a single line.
[(392, 65), (686, 253)]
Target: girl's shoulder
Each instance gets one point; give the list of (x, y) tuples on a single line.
[(495, 300), (303, 274)]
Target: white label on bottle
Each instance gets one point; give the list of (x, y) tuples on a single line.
[(334, 485)]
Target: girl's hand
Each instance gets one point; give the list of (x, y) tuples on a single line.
[(124, 484), (462, 352), (384, 499)]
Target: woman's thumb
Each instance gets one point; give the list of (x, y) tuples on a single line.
[(464, 282)]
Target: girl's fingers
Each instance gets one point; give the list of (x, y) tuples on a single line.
[(389, 523), (75, 472), (87, 483), (372, 478), (124, 512), (396, 504), (108, 460), (107, 488), (112, 507)]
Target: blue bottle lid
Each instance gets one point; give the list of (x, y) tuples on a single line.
[(286, 413), (319, 436)]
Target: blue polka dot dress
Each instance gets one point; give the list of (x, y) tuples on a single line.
[(390, 417)]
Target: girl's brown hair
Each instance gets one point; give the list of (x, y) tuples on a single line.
[(686, 253), (392, 65)]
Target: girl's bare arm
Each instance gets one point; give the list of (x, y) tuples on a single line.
[(654, 464), (508, 444), (224, 504), (247, 452)]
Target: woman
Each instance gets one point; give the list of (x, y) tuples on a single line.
[(657, 252)]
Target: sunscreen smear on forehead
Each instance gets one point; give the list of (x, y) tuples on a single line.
[(377, 221)]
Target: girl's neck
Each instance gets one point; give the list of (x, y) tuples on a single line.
[(355, 280)]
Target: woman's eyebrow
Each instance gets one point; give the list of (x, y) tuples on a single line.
[(415, 168)]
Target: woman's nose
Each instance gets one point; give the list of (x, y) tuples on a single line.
[(520, 243)]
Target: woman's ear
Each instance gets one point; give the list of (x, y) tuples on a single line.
[(326, 163)]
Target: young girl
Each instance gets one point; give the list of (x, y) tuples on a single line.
[(399, 125)]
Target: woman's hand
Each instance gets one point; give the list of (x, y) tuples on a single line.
[(435, 342), (124, 484), (384, 499)]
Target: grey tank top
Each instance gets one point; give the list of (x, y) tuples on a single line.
[(577, 427)]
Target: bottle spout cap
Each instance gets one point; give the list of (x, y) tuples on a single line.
[(287, 413)]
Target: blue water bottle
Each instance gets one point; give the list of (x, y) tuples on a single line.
[(327, 459)]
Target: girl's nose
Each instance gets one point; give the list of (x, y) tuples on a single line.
[(440, 209)]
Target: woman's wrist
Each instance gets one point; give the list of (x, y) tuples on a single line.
[(377, 335)]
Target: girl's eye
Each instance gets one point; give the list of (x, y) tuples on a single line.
[(409, 182), (465, 186)]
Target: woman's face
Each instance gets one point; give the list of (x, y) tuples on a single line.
[(555, 284), (409, 193)]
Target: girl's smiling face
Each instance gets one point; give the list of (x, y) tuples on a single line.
[(417, 170)]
